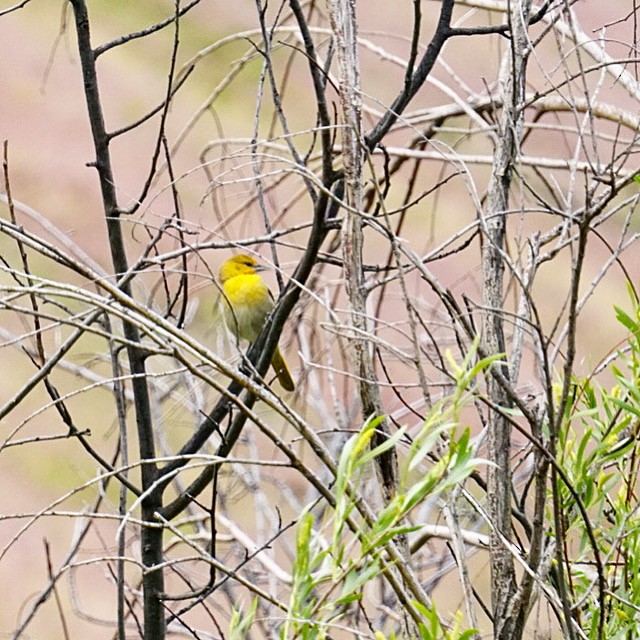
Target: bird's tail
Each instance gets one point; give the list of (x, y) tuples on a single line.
[(282, 371)]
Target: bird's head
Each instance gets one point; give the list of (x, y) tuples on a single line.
[(241, 265)]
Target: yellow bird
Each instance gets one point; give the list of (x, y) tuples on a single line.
[(248, 304)]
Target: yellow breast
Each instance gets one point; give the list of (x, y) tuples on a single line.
[(248, 303)]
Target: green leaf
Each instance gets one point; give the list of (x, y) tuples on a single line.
[(388, 444), (239, 625), (626, 320)]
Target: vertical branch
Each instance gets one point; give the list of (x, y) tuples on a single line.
[(343, 24), (123, 445), (558, 515), (319, 89), (512, 82), (153, 581)]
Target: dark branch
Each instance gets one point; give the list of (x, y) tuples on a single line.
[(98, 51)]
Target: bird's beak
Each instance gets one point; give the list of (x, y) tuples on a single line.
[(260, 267)]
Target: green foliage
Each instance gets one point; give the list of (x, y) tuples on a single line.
[(303, 600), (338, 560), (239, 625), (432, 628), (599, 453)]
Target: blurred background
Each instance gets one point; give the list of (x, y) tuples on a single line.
[(215, 115)]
